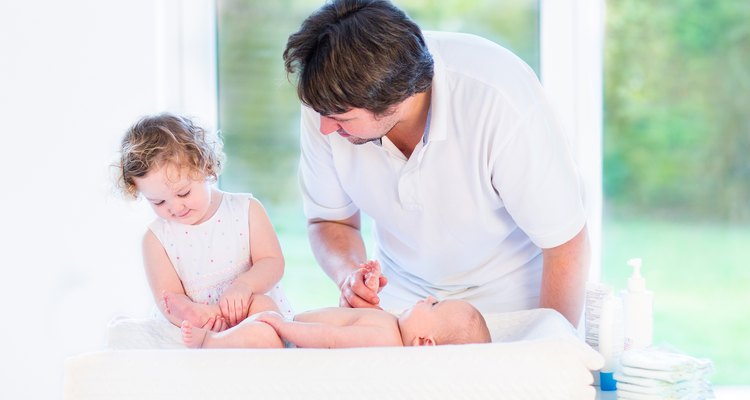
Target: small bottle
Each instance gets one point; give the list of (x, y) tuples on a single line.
[(610, 341), (638, 307), (595, 294)]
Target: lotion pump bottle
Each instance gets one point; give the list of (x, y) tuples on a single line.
[(638, 308)]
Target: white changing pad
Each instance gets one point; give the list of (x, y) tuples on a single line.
[(534, 355)]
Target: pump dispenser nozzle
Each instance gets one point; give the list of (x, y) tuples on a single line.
[(636, 283), (638, 307)]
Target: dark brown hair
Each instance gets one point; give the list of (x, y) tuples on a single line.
[(358, 54)]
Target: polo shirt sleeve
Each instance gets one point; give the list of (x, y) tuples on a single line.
[(535, 175), (322, 194)]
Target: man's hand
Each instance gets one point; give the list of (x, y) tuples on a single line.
[(361, 287)]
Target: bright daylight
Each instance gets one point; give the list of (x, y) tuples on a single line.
[(239, 199)]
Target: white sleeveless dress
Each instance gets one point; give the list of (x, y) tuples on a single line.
[(210, 255)]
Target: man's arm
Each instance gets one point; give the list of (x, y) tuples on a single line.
[(564, 276), (339, 249)]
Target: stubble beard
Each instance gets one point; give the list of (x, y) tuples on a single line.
[(359, 141)]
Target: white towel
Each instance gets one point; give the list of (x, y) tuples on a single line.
[(537, 356)]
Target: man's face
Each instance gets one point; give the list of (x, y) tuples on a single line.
[(358, 125)]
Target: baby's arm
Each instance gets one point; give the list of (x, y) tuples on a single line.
[(267, 267), (168, 292), (320, 335)]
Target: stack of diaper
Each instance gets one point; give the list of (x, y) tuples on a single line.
[(654, 373)]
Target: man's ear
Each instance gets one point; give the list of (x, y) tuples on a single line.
[(424, 341)]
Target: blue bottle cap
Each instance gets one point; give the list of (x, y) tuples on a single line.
[(607, 382)]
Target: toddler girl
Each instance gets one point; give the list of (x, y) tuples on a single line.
[(211, 257)]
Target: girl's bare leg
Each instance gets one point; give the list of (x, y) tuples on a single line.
[(247, 334)]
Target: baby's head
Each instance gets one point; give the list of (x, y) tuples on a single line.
[(167, 140), (430, 322)]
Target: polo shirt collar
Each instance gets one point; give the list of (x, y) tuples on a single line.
[(437, 117)]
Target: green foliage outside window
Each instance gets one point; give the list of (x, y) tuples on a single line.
[(676, 172), (677, 128)]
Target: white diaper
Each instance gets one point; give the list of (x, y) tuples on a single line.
[(654, 373), (662, 360)]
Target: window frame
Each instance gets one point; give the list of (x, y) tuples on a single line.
[(572, 53), (187, 74)]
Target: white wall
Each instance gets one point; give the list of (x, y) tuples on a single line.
[(74, 75)]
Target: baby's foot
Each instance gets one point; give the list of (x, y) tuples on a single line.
[(192, 336), (186, 310), (175, 304)]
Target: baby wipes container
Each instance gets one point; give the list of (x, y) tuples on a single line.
[(638, 309)]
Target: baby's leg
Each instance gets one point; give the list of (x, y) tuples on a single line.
[(184, 309), (260, 303), (247, 334)]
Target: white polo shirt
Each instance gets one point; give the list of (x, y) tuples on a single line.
[(466, 215)]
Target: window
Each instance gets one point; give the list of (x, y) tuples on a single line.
[(676, 173)]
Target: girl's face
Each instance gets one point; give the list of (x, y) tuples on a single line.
[(174, 196)]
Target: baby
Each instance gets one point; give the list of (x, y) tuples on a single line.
[(429, 322), (211, 257)]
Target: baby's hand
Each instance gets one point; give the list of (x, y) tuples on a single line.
[(372, 275), (235, 302), (361, 287)]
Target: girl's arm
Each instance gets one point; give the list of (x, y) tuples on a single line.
[(165, 284), (267, 266)]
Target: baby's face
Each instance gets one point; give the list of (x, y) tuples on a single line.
[(422, 311), (428, 314)]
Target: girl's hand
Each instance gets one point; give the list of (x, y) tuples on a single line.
[(215, 323), (235, 302)]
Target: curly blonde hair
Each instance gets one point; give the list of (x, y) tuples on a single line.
[(167, 139)]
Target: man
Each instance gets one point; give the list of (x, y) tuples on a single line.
[(447, 142)]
